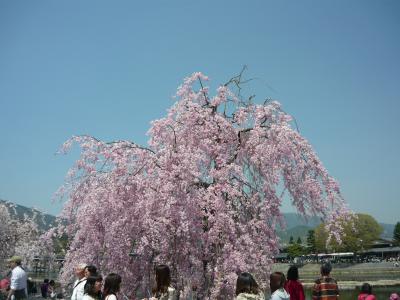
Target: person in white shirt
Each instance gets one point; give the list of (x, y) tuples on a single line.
[(19, 279), (93, 287), (79, 284)]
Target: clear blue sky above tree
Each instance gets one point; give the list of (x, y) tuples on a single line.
[(108, 68)]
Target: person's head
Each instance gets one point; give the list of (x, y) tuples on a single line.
[(4, 284), (366, 288), (93, 286), (52, 282), (112, 284), (276, 281), (163, 278), (394, 296), (14, 261), (293, 273), (326, 269), (90, 271), (46, 280), (80, 270), (246, 283)]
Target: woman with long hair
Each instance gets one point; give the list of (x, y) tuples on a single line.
[(366, 292), (293, 286), (92, 289), (247, 288), (112, 284), (163, 289)]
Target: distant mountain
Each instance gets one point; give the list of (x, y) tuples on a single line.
[(297, 226), (44, 221), (293, 220), (296, 232), (387, 230)]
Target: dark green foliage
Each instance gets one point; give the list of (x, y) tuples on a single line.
[(295, 250), (358, 235), (311, 248), (396, 233)]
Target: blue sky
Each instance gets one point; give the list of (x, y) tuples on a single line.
[(108, 68)]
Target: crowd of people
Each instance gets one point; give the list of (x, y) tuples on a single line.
[(290, 288), (90, 285)]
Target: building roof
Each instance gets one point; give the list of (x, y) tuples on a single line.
[(382, 250)]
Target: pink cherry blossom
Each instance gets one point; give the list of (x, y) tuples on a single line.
[(204, 196)]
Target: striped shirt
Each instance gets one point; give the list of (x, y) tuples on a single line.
[(325, 288)]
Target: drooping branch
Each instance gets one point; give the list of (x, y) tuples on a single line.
[(200, 208)]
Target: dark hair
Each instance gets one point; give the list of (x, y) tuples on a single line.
[(246, 283), (163, 279), (326, 268), (293, 273), (366, 288), (111, 284), (46, 280), (52, 282), (92, 270), (281, 276), (90, 284)]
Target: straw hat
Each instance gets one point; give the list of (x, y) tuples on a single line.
[(15, 259)]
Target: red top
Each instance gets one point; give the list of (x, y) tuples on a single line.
[(366, 297), (295, 290)]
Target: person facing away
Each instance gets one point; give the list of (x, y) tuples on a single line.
[(90, 271), (44, 287), (293, 286), (163, 289), (394, 296), (92, 288), (51, 292), (277, 282), (366, 292), (19, 279), (31, 286), (79, 284), (247, 288), (112, 284), (4, 284), (325, 287)]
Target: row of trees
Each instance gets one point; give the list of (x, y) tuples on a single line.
[(359, 235)]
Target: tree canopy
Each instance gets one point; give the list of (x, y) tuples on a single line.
[(359, 235), (396, 233), (311, 247), (203, 197)]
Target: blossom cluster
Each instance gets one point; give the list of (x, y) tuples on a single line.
[(18, 237), (204, 196)]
